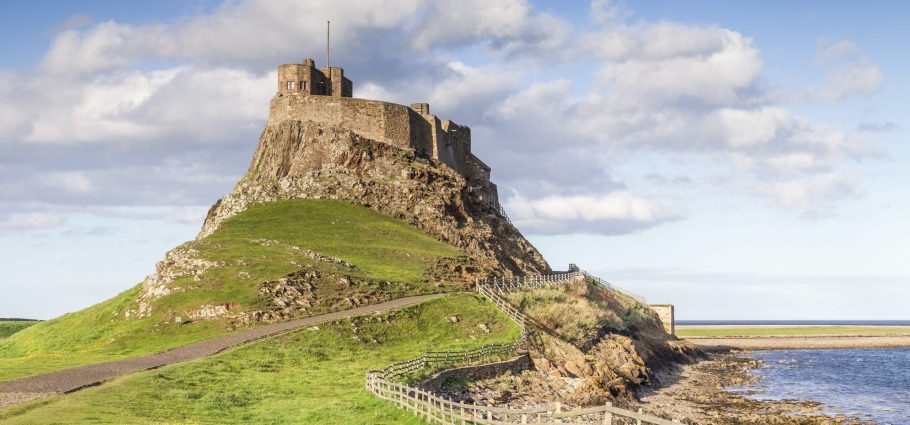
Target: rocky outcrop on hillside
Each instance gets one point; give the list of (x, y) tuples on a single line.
[(178, 263), (299, 159), (588, 344)]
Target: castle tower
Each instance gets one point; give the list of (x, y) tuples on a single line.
[(305, 78)]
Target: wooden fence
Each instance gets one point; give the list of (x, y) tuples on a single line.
[(437, 409)]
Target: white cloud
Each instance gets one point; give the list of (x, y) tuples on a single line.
[(613, 213), (237, 32), (854, 79), (68, 111), (826, 50), (30, 221), (809, 192), (743, 128), (849, 73), (666, 62), (188, 215), (73, 181), (121, 107), (511, 26)]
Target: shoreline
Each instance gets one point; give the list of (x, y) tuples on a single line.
[(701, 393), (797, 342)]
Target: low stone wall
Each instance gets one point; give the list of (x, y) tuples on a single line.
[(478, 372)]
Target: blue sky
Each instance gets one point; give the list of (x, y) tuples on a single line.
[(742, 160)]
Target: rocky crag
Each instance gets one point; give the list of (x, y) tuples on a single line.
[(309, 160), (305, 159), (588, 345)]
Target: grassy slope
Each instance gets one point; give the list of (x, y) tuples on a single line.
[(306, 377), (382, 248), (795, 330), (576, 312), (9, 327)]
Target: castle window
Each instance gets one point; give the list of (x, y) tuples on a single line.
[(303, 85), (290, 85)]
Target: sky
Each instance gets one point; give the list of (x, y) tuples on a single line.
[(738, 159)]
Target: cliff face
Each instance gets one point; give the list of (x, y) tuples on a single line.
[(304, 159)]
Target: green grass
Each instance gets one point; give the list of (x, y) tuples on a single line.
[(9, 327), (578, 311), (382, 247), (391, 258), (800, 330), (304, 377)]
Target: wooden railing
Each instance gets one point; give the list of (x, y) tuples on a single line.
[(609, 285), (384, 383)]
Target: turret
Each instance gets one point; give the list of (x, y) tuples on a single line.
[(305, 78)]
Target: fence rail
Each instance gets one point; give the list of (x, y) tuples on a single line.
[(609, 285), (437, 409)]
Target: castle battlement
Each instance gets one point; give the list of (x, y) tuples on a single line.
[(325, 96), (305, 78)]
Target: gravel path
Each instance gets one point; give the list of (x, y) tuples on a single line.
[(74, 379)]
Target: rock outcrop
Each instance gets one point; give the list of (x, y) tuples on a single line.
[(302, 159), (178, 263)]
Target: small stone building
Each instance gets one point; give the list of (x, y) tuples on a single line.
[(305, 78), (307, 93)]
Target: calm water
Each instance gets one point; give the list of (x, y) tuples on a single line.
[(869, 383)]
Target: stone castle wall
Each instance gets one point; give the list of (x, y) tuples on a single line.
[(381, 121), (394, 124)]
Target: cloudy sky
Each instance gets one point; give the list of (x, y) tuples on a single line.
[(740, 159)]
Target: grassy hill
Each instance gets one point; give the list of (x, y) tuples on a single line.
[(579, 313), (304, 377), (9, 327), (264, 243)]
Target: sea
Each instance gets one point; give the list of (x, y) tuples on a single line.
[(868, 383)]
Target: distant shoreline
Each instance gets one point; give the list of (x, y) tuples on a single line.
[(793, 322), (790, 337)]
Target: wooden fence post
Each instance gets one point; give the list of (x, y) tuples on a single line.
[(638, 421), (608, 415)]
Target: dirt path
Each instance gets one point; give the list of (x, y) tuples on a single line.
[(74, 379)]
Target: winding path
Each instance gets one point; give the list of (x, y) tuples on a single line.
[(74, 379)]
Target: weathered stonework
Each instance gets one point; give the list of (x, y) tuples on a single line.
[(667, 316), (437, 382), (300, 98), (303, 159)]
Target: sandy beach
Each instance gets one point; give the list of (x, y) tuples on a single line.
[(795, 337)]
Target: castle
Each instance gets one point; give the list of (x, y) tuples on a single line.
[(325, 96)]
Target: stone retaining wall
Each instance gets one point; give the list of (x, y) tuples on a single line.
[(473, 373)]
